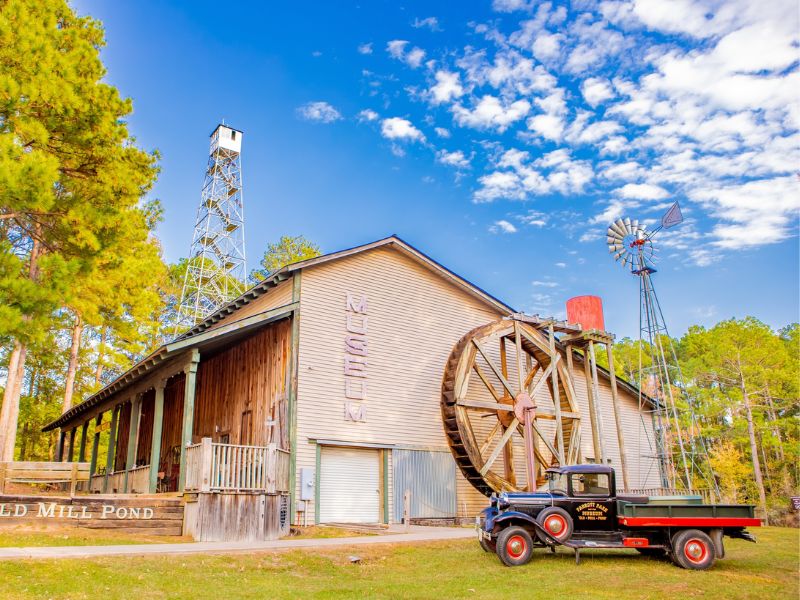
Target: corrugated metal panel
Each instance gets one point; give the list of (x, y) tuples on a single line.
[(349, 486), (431, 479)]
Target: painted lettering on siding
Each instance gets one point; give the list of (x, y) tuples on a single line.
[(355, 357)]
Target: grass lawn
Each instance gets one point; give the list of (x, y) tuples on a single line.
[(79, 537), (318, 531), (442, 570)]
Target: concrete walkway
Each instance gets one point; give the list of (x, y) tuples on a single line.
[(416, 534)]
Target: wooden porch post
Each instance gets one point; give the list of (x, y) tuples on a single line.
[(188, 413), (155, 445), (82, 449), (95, 448), (112, 439), (133, 437), (60, 445), (71, 447)]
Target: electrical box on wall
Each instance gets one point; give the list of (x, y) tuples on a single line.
[(306, 484)]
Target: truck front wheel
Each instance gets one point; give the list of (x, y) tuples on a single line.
[(556, 522), (693, 549), (514, 546)]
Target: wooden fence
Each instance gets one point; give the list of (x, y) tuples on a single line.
[(214, 467)]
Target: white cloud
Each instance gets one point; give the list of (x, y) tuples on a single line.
[(550, 127), (453, 159), (642, 191), (397, 50), (753, 213), (367, 115), (491, 113), (502, 226), (596, 91), (561, 265), (319, 112), (442, 132), (500, 184), (396, 128), (365, 48), (447, 88), (534, 219), (547, 284), (510, 5), (547, 46), (431, 23)]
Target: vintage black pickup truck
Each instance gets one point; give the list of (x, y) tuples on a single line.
[(581, 510)]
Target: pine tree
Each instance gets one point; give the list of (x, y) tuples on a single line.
[(70, 176)]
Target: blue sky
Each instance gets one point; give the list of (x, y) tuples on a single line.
[(500, 138)]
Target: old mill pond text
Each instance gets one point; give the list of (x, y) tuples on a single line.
[(54, 510)]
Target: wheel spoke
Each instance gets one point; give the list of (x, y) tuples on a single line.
[(489, 438), (498, 373), (486, 382), (518, 342), (496, 452), (508, 463)]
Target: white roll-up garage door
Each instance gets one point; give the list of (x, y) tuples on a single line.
[(350, 488)]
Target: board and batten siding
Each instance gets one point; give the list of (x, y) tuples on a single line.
[(415, 319)]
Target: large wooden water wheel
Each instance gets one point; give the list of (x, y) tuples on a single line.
[(508, 406)]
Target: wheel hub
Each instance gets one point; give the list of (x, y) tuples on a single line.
[(516, 546), (695, 550), (554, 525)]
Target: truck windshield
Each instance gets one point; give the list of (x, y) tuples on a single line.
[(558, 483)]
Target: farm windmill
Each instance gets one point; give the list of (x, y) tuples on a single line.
[(679, 447)]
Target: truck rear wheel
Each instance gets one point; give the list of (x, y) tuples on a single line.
[(514, 546), (693, 549), (556, 522)]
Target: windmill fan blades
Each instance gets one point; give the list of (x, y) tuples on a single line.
[(627, 223), (618, 227), (619, 254)]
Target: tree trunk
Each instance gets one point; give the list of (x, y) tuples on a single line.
[(776, 431), (9, 413), (751, 432), (23, 449), (72, 367), (101, 351)]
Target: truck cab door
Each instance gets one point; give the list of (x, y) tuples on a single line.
[(594, 508)]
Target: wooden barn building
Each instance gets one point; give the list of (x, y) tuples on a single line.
[(316, 397)]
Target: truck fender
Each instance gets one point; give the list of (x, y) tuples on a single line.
[(716, 537), (509, 516)]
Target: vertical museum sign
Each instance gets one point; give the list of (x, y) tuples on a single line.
[(355, 357)]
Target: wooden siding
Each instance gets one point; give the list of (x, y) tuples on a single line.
[(275, 297), (146, 428), (241, 389), (169, 463)]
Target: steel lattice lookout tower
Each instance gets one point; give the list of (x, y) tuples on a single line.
[(217, 270)]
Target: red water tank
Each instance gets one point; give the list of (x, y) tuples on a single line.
[(587, 311)]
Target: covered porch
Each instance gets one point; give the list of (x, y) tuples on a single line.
[(205, 413)]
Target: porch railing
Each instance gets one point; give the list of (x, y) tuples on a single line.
[(138, 481), (218, 467)]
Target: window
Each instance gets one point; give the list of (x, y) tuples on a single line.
[(557, 483), (590, 484)]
